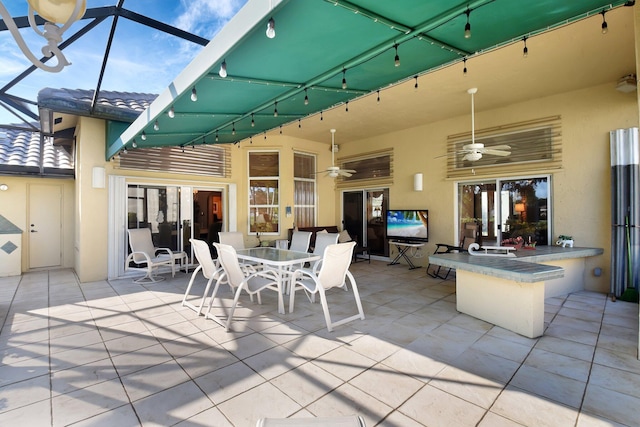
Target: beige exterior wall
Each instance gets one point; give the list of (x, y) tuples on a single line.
[(14, 205), (580, 191)]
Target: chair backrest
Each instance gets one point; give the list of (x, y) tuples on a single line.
[(202, 253), (232, 238), (140, 241), (229, 260), (323, 240), (335, 263), (300, 241)]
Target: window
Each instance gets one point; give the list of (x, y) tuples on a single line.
[(264, 183), (535, 145), (304, 195), (507, 210), (208, 160), (374, 168)]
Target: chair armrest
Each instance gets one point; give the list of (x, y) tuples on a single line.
[(167, 250)]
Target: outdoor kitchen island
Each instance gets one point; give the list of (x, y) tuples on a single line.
[(510, 291)]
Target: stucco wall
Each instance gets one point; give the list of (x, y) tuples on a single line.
[(14, 205), (581, 190)]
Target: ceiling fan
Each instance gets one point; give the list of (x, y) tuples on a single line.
[(334, 171), (475, 150)]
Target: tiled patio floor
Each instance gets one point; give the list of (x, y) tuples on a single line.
[(121, 354)]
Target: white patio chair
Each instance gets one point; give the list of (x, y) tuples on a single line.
[(235, 239), (239, 280), (300, 241), (322, 241), (332, 274), (209, 270), (144, 252)]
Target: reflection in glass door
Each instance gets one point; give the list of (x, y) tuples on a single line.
[(520, 208), (524, 209), (365, 222), (157, 208)]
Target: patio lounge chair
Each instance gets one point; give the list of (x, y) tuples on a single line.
[(332, 274), (239, 280), (144, 252)]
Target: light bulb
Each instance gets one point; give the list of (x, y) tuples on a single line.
[(223, 69), (271, 28), (134, 144), (143, 136), (467, 27), (397, 58), (194, 95), (275, 110), (156, 126), (171, 113), (253, 123)]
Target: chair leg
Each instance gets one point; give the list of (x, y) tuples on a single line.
[(208, 314), (233, 307), (186, 293)]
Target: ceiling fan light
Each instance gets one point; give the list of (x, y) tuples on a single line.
[(472, 157)]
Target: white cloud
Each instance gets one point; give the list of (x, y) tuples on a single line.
[(206, 17)]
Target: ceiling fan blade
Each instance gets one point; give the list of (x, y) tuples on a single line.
[(499, 147), (496, 152), (345, 173), (349, 170)]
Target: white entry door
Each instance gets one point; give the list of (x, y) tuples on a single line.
[(45, 226)]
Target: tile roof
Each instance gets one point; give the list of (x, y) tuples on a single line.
[(20, 149), (124, 106)]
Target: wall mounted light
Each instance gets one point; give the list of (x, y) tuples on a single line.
[(605, 27), (4, 187), (64, 12), (417, 182), (98, 178), (525, 50)]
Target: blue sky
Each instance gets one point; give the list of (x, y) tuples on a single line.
[(141, 59)]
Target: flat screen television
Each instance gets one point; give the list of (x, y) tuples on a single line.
[(408, 225)]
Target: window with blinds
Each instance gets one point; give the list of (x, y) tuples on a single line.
[(371, 168), (208, 160), (535, 145), (304, 194)]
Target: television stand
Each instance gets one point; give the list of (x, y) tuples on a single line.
[(403, 247)]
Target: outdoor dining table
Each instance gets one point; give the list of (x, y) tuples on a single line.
[(280, 261)]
